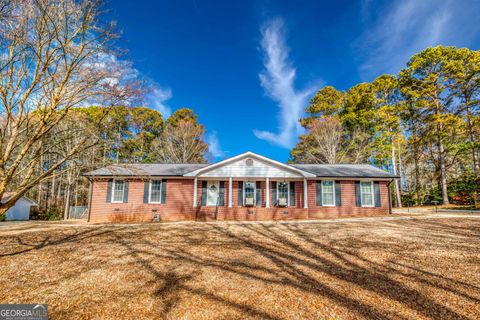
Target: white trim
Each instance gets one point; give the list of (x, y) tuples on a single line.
[(244, 155), (230, 192), (305, 193), (150, 191), (334, 199), (195, 182), (373, 195), (267, 192), (113, 191)]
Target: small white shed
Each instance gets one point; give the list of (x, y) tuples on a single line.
[(21, 209)]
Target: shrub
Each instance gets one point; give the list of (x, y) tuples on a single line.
[(50, 214)]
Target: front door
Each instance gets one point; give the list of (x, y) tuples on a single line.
[(213, 190)]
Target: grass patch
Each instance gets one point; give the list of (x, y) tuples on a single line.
[(405, 268)]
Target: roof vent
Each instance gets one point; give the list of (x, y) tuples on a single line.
[(249, 162)]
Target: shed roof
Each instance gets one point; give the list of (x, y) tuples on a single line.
[(7, 196)]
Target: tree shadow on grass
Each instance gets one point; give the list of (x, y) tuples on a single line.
[(294, 265), (296, 257), (393, 267), (370, 277), (48, 241), (171, 283)]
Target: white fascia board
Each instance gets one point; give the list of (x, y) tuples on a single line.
[(244, 155)]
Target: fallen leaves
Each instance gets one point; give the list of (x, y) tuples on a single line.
[(416, 268)]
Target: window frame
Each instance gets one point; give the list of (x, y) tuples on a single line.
[(150, 192), (333, 194), (254, 192), (372, 192), (288, 191), (216, 184), (114, 182)]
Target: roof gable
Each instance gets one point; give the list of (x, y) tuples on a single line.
[(249, 165)]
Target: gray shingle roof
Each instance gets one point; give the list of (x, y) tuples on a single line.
[(320, 170), (138, 169), (344, 170)]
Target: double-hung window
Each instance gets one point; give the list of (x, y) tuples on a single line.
[(366, 193), (328, 193), (155, 191), (118, 190)]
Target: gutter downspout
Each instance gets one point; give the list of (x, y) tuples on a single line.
[(90, 191)]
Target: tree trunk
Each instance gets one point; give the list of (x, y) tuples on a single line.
[(475, 162), (40, 184), (66, 212), (396, 186), (59, 192), (443, 173), (76, 193), (3, 211), (417, 182), (416, 167), (51, 196), (400, 161), (118, 144), (39, 194)]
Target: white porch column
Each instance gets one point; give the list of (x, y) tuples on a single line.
[(267, 193), (230, 192), (305, 193), (195, 192)]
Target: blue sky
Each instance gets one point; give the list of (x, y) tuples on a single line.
[(248, 68)]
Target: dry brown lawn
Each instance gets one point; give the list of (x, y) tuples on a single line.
[(413, 268)]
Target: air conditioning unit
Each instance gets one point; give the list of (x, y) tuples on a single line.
[(282, 202), (249, 202)]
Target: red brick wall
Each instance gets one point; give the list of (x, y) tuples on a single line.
[(179, 204), (348, 208)]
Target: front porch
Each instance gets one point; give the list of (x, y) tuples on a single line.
[(254, 213), (250, 193)]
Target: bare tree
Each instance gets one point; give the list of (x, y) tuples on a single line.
[(181, 143), (54, 57), (358, 146), (326, 134)]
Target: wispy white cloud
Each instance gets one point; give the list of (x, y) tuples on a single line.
[(278, 81), (214, 147), (402, 28), (156, 98)]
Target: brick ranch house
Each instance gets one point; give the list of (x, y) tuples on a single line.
[(244, 187)]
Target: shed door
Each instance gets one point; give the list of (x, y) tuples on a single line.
[(213, 191)]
